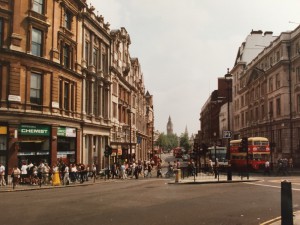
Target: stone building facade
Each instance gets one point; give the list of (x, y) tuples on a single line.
[(58, 74), (267, 98)]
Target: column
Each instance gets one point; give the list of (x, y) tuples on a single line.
[(53, 145), (91, 99)]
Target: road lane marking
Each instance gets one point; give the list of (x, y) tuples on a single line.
[(267, 185)]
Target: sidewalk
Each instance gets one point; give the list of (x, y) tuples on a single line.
[(203, 178), (28, 187)]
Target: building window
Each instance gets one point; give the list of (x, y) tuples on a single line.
[(36, 42), (270, 84), (115, 88), (68, 20), (279, 140), (87, 52), (277, 81), (66, 96), (262, 111), (271, 108), (105, 63), (1, 31), (36, 89), (115, 110), (95, 57), (278, 108), (298, 103), (298, 74), (66, 51), (38, 6)]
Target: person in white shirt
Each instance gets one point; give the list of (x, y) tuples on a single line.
[(24, 168), (2, 175), (66, 175)]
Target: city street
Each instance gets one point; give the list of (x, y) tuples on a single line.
[(149, 201)]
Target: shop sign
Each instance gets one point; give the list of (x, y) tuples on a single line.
[(34, 130), (119, 151), (66, 132), (55, 104), (3, 130), (26, 153), (42, 153), (14, 98), (66, 153)]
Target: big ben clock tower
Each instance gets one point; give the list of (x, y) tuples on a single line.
[(169, 126)]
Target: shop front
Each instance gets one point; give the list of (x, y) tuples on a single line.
[(33, 143), (116, 155), (3, 144), (66, 144)]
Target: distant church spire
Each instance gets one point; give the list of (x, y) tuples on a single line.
[(186, 130), (169, 126)]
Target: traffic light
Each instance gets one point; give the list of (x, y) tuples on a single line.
[(108, 150), (244, 144)]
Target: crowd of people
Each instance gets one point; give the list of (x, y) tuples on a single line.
[(43, 174), (134, 169), (64, 174)]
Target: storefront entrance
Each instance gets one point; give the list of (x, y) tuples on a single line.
[(33, 144)]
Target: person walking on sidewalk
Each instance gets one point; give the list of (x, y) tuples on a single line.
[(2, 175), (149, 170), (267, 168), (66, 175), (159, 174)]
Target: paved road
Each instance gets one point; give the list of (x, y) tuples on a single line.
[(148, 202)]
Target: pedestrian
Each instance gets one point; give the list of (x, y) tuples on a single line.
[(123, 171), (2, 175), (94, 171), (133, 165), (149, 167), (55, 176), (210, 167), (16, 172), (46, 170), (66, 180), (159, 174), (40, 171), (267, 168), (30, 172), (114, 170), (82, 173), (23, 173), (145, 167)]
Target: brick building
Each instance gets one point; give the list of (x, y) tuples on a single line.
[(57, 78)]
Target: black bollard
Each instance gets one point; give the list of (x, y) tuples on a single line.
[(286, 203)]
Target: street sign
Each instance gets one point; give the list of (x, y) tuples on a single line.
[(227, 134)]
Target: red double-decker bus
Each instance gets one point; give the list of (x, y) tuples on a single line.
[(258, 153)]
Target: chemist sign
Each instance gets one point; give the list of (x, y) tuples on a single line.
[(34, 130)]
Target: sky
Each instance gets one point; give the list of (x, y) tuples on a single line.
[(183, 46)]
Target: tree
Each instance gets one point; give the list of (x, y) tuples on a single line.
[(167, 142), (184, 141)]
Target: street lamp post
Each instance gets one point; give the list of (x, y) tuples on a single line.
[(228, 78)]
